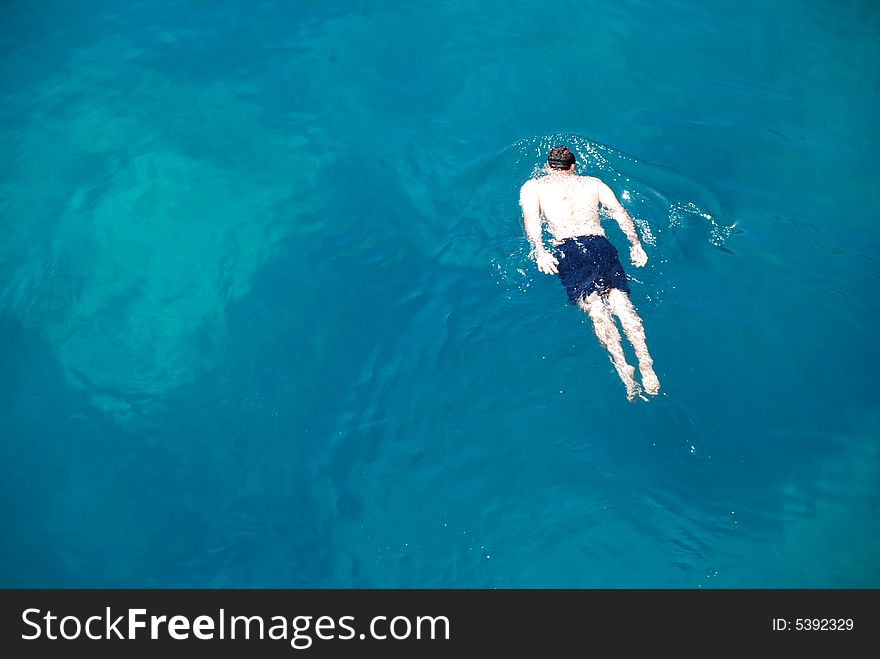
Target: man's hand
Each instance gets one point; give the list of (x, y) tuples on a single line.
[(637, 255), (546, 262)]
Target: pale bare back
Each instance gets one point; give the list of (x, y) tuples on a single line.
[(569, 204)]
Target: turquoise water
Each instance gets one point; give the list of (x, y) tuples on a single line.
[(267, 314)]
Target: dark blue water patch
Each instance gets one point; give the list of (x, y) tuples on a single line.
[(58, 449)]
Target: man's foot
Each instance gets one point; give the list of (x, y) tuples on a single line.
[(628, 375), (649, 380), (633, 392)]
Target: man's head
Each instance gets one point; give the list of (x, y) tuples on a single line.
[(561, 158)]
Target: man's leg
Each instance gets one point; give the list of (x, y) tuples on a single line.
[(606, 332), (620, 304)]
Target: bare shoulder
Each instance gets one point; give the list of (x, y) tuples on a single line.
[(599, 187), (529, 188), (593, 181)]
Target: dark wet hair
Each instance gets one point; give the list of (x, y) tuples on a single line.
[(560, 157)]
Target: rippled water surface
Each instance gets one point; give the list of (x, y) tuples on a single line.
[(268, 318)]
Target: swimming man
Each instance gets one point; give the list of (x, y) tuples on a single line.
[(585, 260)]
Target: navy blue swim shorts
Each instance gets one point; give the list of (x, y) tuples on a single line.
[(589, 264)]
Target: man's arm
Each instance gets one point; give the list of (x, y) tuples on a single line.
[(531, 208), (618, 212)]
